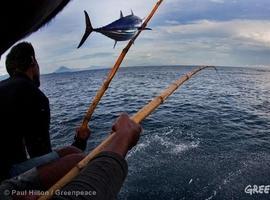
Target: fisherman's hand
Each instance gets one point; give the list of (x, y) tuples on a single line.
[(83, 133), (127, 130)]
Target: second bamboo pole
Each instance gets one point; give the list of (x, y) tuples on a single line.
[(138, 117)]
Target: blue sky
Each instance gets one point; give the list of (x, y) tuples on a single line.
[(185, 32)]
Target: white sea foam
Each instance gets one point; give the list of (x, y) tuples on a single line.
[(169, 132), (212, 196), (138, 148), (175, 147)]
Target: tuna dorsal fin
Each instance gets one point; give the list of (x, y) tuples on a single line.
[(121, 14), (132, 12)]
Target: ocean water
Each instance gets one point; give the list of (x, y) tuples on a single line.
[(210, 140)]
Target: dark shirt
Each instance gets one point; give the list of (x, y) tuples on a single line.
[(24, 122), (102, 179)]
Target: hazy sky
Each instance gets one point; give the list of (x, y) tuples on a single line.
[(214, 32)]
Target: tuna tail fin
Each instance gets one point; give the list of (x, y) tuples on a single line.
[(88, 30)]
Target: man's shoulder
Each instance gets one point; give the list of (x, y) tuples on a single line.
[(16, 83), (20, 85)]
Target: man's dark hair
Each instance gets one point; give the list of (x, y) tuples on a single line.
[(20, 58)]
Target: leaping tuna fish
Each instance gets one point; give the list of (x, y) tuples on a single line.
[(120, 30)]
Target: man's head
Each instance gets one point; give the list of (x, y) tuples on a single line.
[(21, 58)]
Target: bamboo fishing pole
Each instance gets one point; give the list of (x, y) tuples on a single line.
[(138, 117), (115, 68)]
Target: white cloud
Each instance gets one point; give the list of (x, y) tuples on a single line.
[(217, 1), (172, 22), (236, 42), (256, 32), (2, 71)]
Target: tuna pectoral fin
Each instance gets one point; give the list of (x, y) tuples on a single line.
[(145, 29), (114, 44), (88, 30)]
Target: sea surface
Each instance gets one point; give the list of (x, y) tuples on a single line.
[(210, 140)]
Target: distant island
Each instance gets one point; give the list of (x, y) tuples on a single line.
[(64, 69)]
